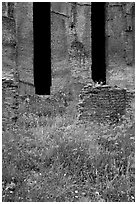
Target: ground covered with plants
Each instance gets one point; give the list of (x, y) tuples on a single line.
[(48, 156)]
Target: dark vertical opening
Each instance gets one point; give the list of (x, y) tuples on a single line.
[(98, 42), (42, 47)]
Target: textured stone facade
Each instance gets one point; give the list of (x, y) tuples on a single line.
[(71, 42), (70, 24), (24, 26), (104, 104), (8, 43)]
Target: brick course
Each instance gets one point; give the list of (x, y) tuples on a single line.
[(103, 103)]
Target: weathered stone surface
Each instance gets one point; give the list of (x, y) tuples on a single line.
[(8, 47), (24, 25), (61, 7), (102, 104), (9, 102), (63, 35), (8, 31), (58, 37)]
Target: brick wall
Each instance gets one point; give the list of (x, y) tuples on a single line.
[(103, 104)]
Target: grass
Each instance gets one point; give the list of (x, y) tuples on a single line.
[(50, 157)]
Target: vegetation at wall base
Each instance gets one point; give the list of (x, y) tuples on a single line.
[(53, 158)]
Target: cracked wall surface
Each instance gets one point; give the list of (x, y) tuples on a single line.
[(120, 35)]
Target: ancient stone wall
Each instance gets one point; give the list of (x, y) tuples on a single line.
[(24, 26), (117, 21), (120, 39), (58, 37), (8, 42), (103, 104), (120, 35)]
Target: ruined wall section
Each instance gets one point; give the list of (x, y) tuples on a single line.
[(120, 18), (80, 43), (24, 26), (59, 20), (58, 37), (83, 24), (115, 30), (86, 38), (18, 29), (8, 41)]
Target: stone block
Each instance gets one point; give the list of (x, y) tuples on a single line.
[(102, 104)]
